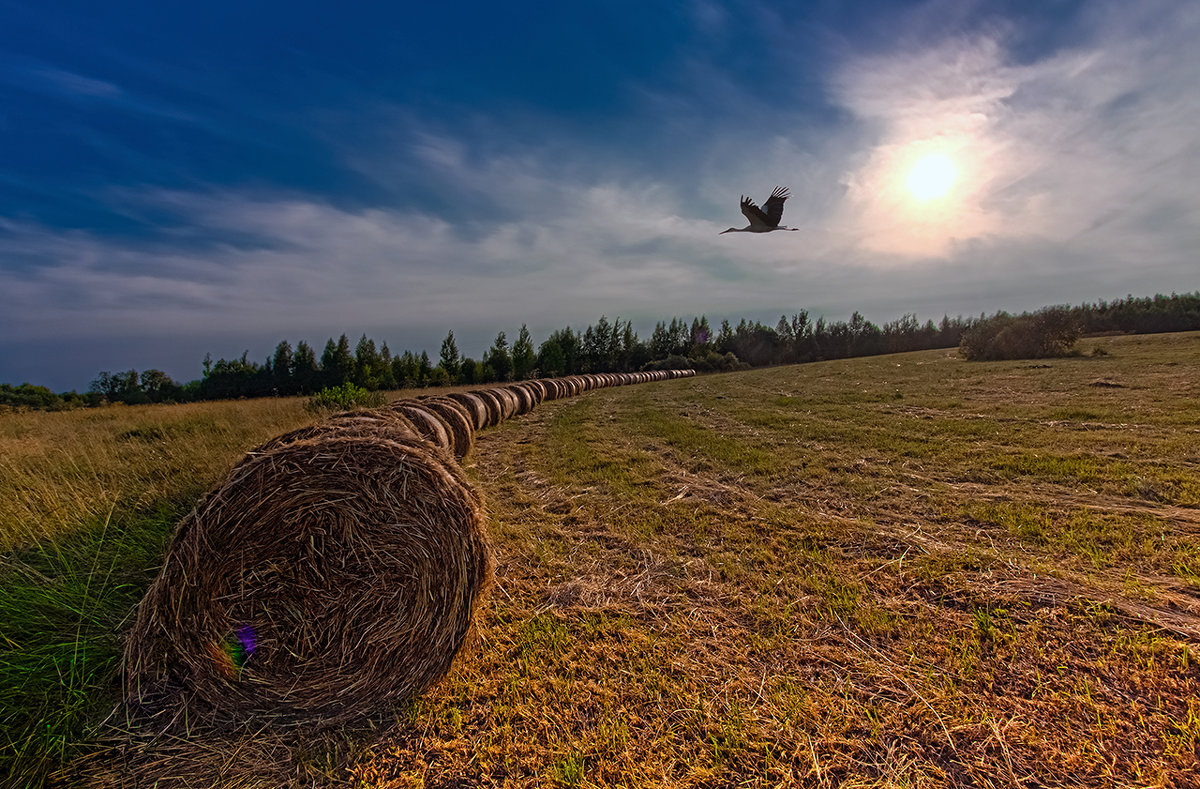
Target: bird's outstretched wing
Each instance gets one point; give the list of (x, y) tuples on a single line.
[(755, 214), (773, 212)]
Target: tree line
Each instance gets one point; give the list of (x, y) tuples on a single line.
[(606, 346)]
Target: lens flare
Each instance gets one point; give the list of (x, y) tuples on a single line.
[(231, 654)]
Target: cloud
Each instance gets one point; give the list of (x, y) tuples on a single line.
[(72, 84), (1076, 167), (303, 262), (1057, 148)]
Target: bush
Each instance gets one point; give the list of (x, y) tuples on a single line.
[(1049, 332), (30, 396), (343, 398)]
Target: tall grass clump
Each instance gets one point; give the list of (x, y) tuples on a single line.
[(343, 398), (64, 606)]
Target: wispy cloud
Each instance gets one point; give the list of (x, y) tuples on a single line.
[(71, 84)]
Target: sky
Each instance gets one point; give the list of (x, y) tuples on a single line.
[(182, 179)]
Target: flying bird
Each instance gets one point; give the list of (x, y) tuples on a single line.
[(765, 219)]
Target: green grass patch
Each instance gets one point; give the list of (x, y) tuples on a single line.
[(713, 448), (1051, 467), (63, 608), (579, 453)]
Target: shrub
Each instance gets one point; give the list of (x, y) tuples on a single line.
[(1048, 332), (343, 398)]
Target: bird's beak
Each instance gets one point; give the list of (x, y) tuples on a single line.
[(723, 232)]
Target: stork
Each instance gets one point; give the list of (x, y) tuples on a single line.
[(765, 219)]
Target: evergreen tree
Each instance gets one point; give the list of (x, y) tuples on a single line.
[(606, 345), (328, 358), (424, 369), (387, 379), (304, 368), (523, 357), (449, 360), (660, 341), (467, 370), (628, 359), (281, 368), (725, 338), (588, 351), (366, 364), (406, 370), (498, 358), (551, 361), (343, 362)]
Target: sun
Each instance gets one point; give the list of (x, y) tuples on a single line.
[(932, 176)]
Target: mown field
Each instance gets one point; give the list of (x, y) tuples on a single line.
[(899, 571)]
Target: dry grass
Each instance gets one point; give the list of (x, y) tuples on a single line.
[(902, 571), (793, 577), (61, 470)]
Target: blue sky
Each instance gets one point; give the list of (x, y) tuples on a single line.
[(216, 177)]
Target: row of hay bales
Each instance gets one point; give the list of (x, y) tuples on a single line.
[(335, 571), (450, 420)]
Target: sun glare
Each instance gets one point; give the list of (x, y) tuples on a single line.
[(932, 176)]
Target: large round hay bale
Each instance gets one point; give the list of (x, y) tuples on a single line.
[(454, 414), (553, 390), (474, 405), (428, 423), (379, 422), (319, 584), (494, 407)]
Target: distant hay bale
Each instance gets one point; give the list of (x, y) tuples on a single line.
[(454, 414), (539, 389), (494, 407), (430, 425), (553, 390), (524, 399), (319, 584), (535, 391), (508, 401), (474, 405)]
